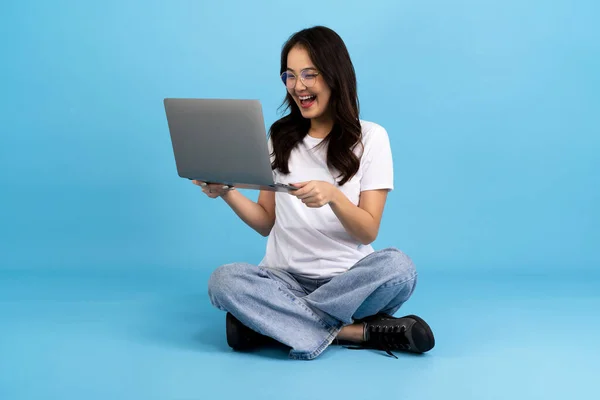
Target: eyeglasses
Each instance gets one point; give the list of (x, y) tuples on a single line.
[(308, 77)]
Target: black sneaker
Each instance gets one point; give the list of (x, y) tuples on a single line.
[(388, 333), (240, 337)]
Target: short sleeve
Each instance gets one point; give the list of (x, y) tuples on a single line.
[(378, 166)]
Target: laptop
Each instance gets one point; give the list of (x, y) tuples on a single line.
[(221, 141)]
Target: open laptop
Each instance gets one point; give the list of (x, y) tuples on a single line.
[(221, 141)]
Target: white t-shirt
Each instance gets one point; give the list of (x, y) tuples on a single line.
[(312, 242)]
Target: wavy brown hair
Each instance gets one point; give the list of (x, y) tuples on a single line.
[(330, 56)]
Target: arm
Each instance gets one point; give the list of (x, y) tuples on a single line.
[(260, 216), (361, 222)]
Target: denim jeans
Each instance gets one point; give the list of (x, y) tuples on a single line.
[(307, 314)]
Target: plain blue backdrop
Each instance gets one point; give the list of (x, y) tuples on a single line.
[(492, 108)]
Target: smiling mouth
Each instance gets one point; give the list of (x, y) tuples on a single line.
[(307, 101)]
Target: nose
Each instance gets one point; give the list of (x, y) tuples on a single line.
[(299, 85)]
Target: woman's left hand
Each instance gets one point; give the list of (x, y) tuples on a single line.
[(315, 194)]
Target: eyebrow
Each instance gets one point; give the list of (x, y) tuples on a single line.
[(303, 69)]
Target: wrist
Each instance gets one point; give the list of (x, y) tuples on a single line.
[(336, 196), (227, 195)]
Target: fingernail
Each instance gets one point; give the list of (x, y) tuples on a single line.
[(203, 184), (225, 187)]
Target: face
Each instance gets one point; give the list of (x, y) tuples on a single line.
[(312, 96)]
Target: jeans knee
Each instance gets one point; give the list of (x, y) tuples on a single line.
[(225, 280), (397, 266)]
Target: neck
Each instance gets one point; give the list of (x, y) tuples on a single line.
[(320, 127)]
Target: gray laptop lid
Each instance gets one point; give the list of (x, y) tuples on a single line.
[(220, 140)]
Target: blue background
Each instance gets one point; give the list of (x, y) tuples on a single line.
[(492, 108)]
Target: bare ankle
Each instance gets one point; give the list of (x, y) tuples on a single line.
[(352, 333)]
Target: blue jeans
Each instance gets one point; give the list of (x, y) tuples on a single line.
[(307, 314)]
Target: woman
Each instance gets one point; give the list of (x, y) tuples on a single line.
[(320, 280)]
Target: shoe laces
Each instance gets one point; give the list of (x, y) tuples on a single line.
[(385, 337)]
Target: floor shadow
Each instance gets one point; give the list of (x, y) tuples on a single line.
[(190, 323), (214, 339)]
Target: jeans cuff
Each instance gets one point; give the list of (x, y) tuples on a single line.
[(305, 355)]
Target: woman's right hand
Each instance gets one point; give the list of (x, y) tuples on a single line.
[(213, 190)]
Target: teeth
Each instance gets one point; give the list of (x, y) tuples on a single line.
[(305, 97)]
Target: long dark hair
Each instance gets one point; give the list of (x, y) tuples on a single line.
[(330, 56)]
